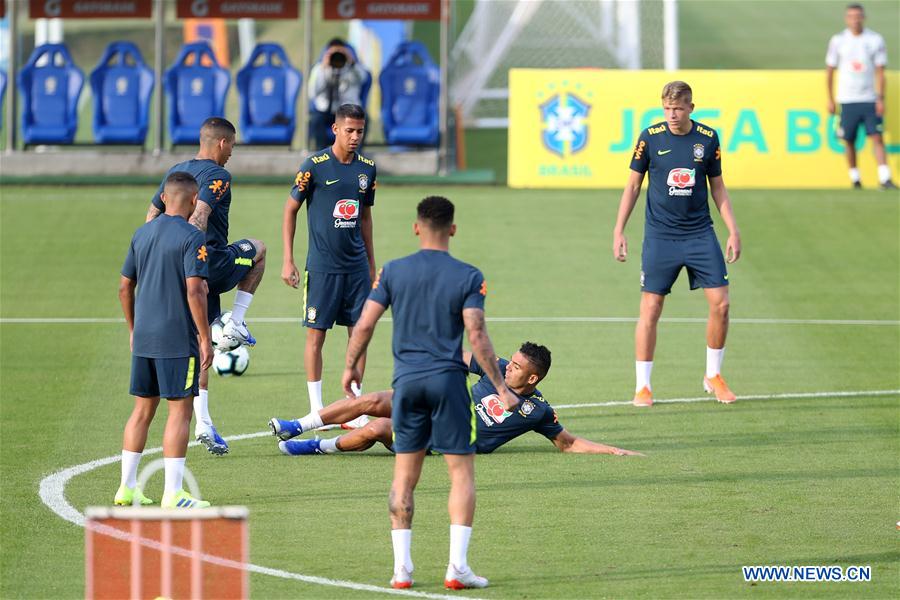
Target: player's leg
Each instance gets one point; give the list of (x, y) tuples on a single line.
[(357, 440), (248, 257), (874, 127), (356, 288), (321, 304), (205, 431), (453, 435), (849, 124), (706, 269), (377, 404), (145, 389), (661, 261)]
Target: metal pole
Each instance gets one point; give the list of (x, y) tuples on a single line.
[(12, 72), (303, 113), (159, 48), (670, 35), (444, 99)]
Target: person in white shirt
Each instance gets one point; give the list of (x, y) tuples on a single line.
[(859, 55), (334, 81)]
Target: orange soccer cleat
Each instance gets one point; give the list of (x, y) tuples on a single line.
[(644, 397), (718, 385)]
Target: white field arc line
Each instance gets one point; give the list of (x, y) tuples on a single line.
[(52, 488), (52, 493), (699, 320)]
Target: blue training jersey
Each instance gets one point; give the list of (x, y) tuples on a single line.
[(335, 195), (162, 254), (496, 425), (214, 189), (427, 292), (677, 192)]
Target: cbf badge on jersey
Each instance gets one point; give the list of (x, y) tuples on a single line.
[(363, 182), (698, 152)]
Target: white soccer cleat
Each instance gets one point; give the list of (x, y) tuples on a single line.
[(462, 580), (238, 334), (402, 579)]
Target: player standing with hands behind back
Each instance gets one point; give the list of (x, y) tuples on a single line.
[(434, 298), (860, 56), (680, 154)]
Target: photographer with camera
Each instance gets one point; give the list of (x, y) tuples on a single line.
[(336, 80)]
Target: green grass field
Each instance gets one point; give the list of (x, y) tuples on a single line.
[(775, 480)]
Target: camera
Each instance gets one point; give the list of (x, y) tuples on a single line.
[(337, 60)]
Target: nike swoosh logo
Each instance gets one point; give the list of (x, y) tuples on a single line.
[(661, 152), (330, 181)]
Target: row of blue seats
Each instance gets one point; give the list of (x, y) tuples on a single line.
[(196, 87)]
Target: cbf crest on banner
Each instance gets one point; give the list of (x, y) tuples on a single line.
[(565, 123)]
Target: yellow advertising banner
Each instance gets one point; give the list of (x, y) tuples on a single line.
[(576, 128)]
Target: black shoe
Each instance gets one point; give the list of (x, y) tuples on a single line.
[(888, 185), (857, 185)]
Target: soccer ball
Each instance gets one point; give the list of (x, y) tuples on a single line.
[(233, 362), (219, 341)]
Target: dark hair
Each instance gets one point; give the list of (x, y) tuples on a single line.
[(181, 178), (856, 6), (436, 212), (538, 356), (336, 41), (216, 128), (350, 111)]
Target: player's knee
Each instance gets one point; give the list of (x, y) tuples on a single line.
[(720, 307), (379, 430), (260, 250)]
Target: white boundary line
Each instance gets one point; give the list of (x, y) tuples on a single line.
[(734, 321), (52, 488)]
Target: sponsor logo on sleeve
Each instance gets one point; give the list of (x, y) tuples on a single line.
[(219, 187), (377, 278), (201, 253), (681, 182), (483, 289), (302, 180), (345, 213)]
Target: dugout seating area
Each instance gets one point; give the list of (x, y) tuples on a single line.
[(196, 87)]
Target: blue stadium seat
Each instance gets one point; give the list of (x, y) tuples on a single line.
[(196, 86), (122, 84), (50, 85), (410, 89), (268, 86)]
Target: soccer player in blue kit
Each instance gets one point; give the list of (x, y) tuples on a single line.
[(680, 154), (434, 298), (495, 425), (240, 264), (167, 265), (338, 186)]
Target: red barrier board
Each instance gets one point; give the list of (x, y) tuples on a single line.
[(415, 10), (89, 9), (238, 9)]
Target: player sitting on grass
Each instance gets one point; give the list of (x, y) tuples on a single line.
[(495, 426)]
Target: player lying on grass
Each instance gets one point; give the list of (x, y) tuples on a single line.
[(495, 426)]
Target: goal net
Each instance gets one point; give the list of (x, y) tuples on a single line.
[(504, 34)]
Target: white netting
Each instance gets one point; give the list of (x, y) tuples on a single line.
[(505, 34)]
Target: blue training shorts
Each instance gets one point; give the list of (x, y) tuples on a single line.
[(334, 298), (165, 377), (434, 412), (856, 113), (662, 260), (226, 269)]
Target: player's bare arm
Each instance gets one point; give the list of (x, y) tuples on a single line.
[(200, 218), (723, 203), (880, 88), (359, 341), (829, 88), (626, 205), (289, 273), (126, 298), (483, 350), (152, 213), (196, 297), (467, 357), (366, 229), (574, 444)]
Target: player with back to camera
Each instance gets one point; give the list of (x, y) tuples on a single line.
[(679, 154), (860, 56), (240, 264), (495, 426), (338, 186), (167, 265), (434, 298)]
